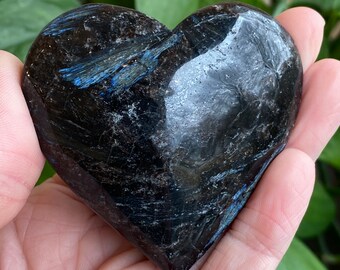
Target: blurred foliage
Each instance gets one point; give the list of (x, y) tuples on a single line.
[(331, 154), (22, 20), (318, 217), (299, 257)]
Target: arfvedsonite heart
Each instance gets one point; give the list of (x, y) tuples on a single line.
[(163, 133)]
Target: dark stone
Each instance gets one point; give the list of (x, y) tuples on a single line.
[(163, 133)]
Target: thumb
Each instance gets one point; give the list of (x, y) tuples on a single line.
[(21, 160)]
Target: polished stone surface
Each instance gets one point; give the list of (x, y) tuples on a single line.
[(163, 133)]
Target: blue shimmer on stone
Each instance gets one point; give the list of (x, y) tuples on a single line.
[(239, 199), (92, 71), (65, 23), (195, 19), (98, 67), (116, 63), (144, 64), (222, 175), (164, 133)]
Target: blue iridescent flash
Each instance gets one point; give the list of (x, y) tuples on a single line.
[(126, 66)]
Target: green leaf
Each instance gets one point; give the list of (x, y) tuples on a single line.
[(173, 12), (322, 5), (46, 173), (169, 13), (280, 7), (324, 51), (331, 154), (123, 3), (320, 213), (334, 50), (22, 20), (300, 257)]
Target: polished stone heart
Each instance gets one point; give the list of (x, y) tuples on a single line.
[(163, 133)]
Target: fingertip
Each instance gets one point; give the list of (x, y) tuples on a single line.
[(298, 170), (280, 201), (319, 114), (278, 204), (305, 12), (10, 71), (286, 187), (6, 57), (305, 25), (266, 225)]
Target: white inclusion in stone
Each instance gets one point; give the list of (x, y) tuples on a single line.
[(242, 63)]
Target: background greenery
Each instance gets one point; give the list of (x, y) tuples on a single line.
[(317, 243)]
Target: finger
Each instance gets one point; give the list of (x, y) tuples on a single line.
[(305, 26), (319, 114), (21, 160), (264, 229)]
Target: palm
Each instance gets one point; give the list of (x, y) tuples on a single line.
[(56, 226), (54, 230)]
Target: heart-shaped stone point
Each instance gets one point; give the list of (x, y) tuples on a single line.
[(163, 133)]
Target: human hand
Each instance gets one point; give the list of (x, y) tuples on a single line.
[(48, 227)]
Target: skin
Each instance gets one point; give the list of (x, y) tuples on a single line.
[(48, 227)]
